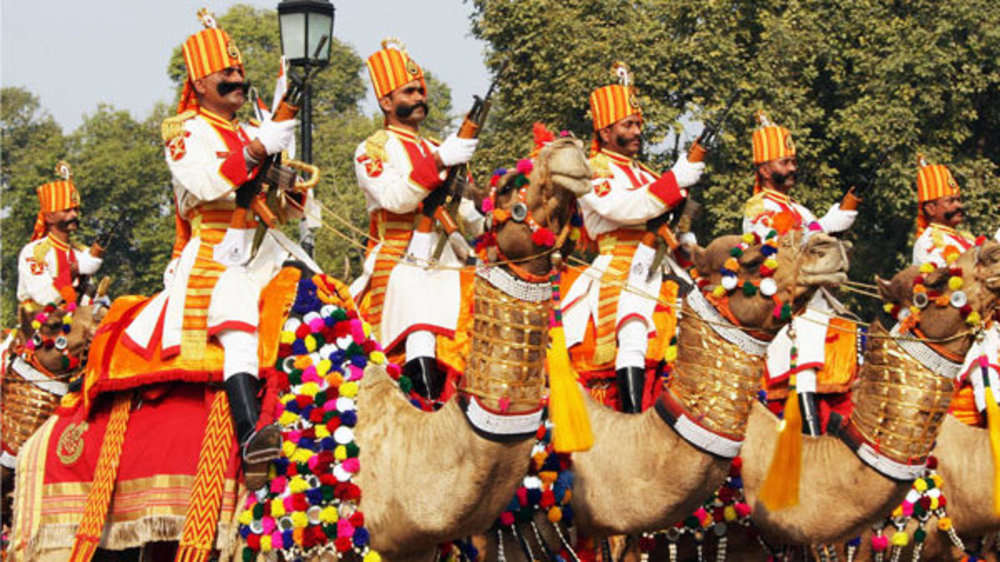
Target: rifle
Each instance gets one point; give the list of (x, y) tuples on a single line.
[(681, 221), (866, 181), (249, 197), (97, 250), (443, 202)]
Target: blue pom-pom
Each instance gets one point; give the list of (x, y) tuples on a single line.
[(244, 531), (855, 542), (280, 465), (328, 444), (514, 505), (287, 537), (299, 347), (359, 361), (768, 250), (360, 536), (735, 482), (567, 514), (314, 495), (415, 402), (534, 496), (307, 443), (349, 418)]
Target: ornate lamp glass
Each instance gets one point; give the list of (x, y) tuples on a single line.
[(303, 24)]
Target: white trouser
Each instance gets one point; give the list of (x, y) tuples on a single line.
[(633, 339), (420, 343), (240, 350)]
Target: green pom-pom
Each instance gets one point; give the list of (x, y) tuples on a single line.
[(248, 554), (258, 511), (330, 530), (405, 384), (355, 349), (736, 251), (339, 315), (327, 492), (919, 535), (295, 377), (320, 398), (320, 340), (303, 468), (930, 483), (749, 289), (786, 312), (327, 416), (352, 449), (691, 522), (771, 234), (521, 180)]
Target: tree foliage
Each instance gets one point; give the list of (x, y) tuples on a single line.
[(863, 85)]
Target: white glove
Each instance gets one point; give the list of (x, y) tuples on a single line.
[(687, 240), (996, 235), (277, 135), (687, 173), (87, 263), (456, 150), (837, 219)]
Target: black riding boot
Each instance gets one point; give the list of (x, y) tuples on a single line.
[(256, 447), (631, 381), (428, 381), (810, 413)]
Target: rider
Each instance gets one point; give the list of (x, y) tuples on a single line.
[(50, 265), (212, 157), (939, 212), (825, 343), (626, 195), (405, 301)]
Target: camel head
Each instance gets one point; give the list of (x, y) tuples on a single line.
[(532, 205), (60, 336), (766, 281), (941, 302)]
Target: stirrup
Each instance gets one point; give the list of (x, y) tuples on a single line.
[(260, 449)]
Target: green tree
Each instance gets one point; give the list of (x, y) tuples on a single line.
[(32, 143), (853, 81)]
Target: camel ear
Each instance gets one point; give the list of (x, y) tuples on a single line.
[(936, 277), (885, 289)]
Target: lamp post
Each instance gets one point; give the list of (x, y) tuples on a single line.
[(303, 25)]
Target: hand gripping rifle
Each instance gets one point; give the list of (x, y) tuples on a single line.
[(442, 204), (681, 222), (252, 196)]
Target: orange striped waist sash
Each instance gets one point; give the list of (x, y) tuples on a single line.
[(621, 245), (394, 231)]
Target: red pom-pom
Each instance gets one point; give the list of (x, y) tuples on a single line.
[(316, 416), (393, 370), (548, 499), (327, 479), (543, 237), (542, 134), (299, 502), (253, 541), (357, 519), (925, 502), (302, 400), (507, 518), (302, 331), (942, 502), (737, 464), (343, 544), (525, 166), (931, 462), (980, 240)]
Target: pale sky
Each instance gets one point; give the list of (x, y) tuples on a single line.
[(74, 54)]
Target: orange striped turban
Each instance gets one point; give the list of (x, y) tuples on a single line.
[(771, 142), (611, 104), (55, 196), (934, 181), (206, 52), (391, 67)]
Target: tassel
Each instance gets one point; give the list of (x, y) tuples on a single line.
[(571, 426), (781, 485), (993, 417)]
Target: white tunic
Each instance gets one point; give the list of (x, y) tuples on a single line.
[(37, 267)]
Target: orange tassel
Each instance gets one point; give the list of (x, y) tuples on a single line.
[(571, 425), (993, 422), (781, 485)]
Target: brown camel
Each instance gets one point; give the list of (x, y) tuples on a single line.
[(429, 477), (642, 474), (900, 403)]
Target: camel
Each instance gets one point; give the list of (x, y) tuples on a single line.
[(42, 363), (426, 476), (826, 512), (642, 474)]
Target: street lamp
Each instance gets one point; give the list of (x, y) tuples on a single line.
[(306, 28)]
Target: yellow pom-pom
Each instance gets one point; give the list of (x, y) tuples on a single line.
[(731, 264), (898, 512), (277, 507), (973, 318), (288, 448), (729, 513), (547, 477), (574, 234), (298, 484), (944, 524), (914, 309), (367, 328), (301, 455), (310, 342), (938, 481), (340, 453), (920, 485), (900, 538), (935, 502), (349, 389), (555, 514), (372, 556), (748, 238), (771, 263), (287, 337), (287, 418), (309, 389), (955, 283), (299, 520), (719, 291), (323, 367), (887, 307), (334, 379), (671, 355), (376, 357), (265, 543), (68, 319), (302, 361), (321, 431), (246, 517), (926, 267), (36, 324), (328, 514)]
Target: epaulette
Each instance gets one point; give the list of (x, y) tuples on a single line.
[(375, 145), (172, 127), (41, 249), (600, 164), (754, 206)]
